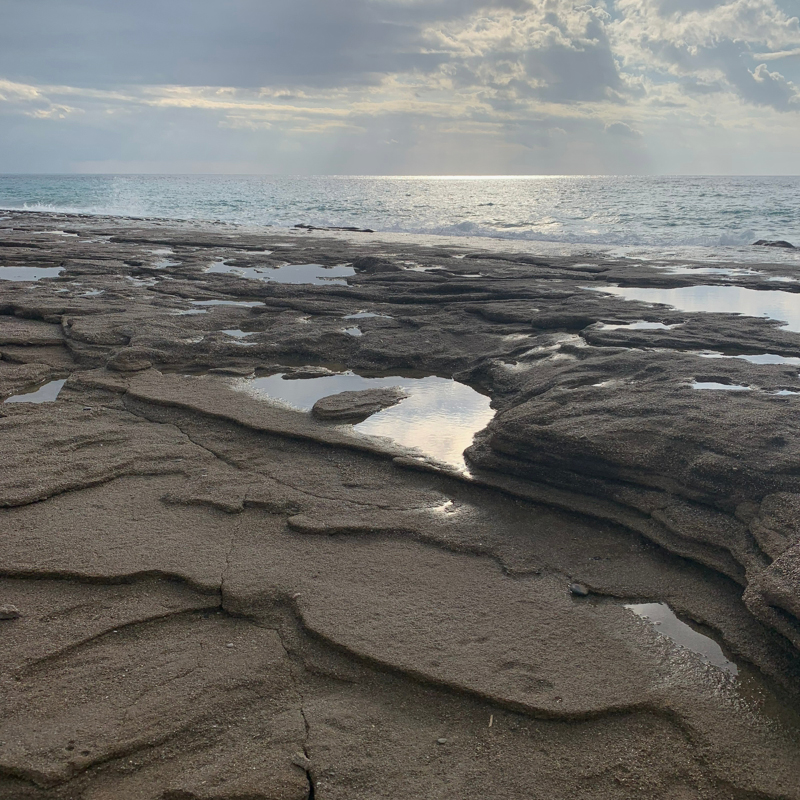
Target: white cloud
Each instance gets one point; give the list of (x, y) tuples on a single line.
[(515, 85)]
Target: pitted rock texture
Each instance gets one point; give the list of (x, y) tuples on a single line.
[(221, 598), (356, 406)]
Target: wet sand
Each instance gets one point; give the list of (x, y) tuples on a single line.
[(221, 584)]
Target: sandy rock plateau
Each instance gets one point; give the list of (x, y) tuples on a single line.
[(210, 596)]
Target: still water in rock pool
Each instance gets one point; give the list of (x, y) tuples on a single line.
[(44, 394), (439, 417), (783, 306), (663, 619), (29, 273), (316, 274)]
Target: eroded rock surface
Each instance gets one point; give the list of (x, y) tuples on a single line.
[(355, 406), (222, 598)]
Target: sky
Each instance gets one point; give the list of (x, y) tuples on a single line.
[(400, 87)]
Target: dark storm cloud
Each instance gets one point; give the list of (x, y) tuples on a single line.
[(243, 43)]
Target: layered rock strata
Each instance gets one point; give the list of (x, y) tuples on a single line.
[(219, 597)]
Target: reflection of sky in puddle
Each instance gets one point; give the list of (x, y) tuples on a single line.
[(366, 315), (762, 358), (44, 394), (439, 417), (720, 387), (29, 273), (638, 326), (664, 621), (354, 331), (289, 273), (725, 272), (237, 334), (783, 306), (242, 303), (142, 281)]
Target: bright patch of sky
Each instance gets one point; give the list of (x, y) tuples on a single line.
[(400, 86)]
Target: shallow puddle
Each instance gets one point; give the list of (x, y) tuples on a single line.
[(366, 315), (239, 337), (237, 334), (241, 303), (782, 306), (721, 271), (641, 325), (439, 417), (761, 358), (316, 274), (44, 394), (720, 387), (663, 619), (55, 233), (354, 331), (29, 273)]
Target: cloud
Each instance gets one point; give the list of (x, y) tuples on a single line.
[(623, 130), (243, 43), (778, 55), (330, 85), (707, 43)]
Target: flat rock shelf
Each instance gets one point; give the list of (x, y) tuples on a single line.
[(540, 538)]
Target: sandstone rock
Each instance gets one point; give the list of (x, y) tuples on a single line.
[(130, 359), (776, 243), (372, 265), (579, 590), (777, 525), (28, 332), (353, 406), (9, 612)]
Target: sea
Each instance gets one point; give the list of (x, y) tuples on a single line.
[(692, 217)]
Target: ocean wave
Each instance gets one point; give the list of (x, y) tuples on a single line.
[(669, 236), (601, 212)]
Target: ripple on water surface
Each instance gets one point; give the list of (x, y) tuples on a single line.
[(439, 417)]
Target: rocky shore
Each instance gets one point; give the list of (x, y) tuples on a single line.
[(206, 594)]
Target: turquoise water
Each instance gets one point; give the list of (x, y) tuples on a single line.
[(659, 212)]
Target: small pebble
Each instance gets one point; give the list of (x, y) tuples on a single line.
[(230, 644), (9, 612), (578, 589), (301, 760), (87, 408), (441, 741)]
